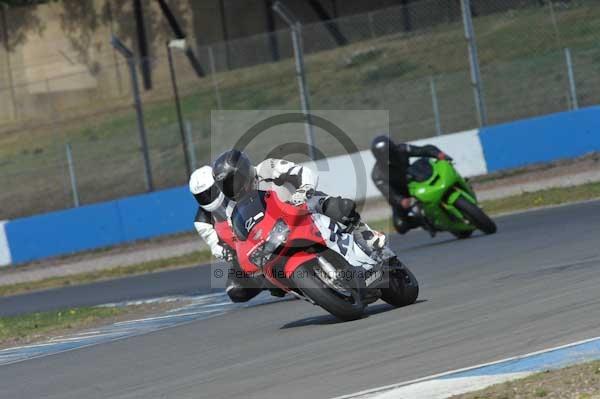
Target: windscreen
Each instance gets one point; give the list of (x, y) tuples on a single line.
[(421, 170), (247, 213)]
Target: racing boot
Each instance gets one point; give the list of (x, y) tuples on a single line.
[(277, 292), (418, 215)]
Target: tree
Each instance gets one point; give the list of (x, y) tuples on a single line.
[(17, 20)]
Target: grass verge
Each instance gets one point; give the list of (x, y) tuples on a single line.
[(578, 382), (41, 326), (193, 258), (34, 326), (553, 196), (548, 197)]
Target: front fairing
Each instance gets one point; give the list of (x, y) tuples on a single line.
[(254, 219), (309, 234), (225, 233), (432, 190)]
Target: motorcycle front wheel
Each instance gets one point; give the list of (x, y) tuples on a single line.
[(476, 216), (343, 302)]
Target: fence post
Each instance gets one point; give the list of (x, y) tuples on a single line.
[(371, 28), (304, 96), (554, 23), (72, 175), (190, 144), (9, 71), (474, 62), (213, 72), (436, 110), (571, 74), (186, 159), (141, 127), (296, 31), (128, 55)]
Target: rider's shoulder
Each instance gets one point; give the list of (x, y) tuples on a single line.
[(203, 216), (280, 165)]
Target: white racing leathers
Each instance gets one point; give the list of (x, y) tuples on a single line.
[(291, 181), (204, 224), (343, 243), (295, 183)]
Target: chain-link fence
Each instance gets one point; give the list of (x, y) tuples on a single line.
[(536, 57)]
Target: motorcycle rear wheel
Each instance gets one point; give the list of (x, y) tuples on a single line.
[(344, 308)]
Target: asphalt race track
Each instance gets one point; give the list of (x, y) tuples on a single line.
[(534, 285), (189, 281)]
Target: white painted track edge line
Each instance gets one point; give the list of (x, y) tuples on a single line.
[(447, 373)]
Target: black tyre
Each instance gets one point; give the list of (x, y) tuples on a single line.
[(403, 289), (344, 307), (476, 216), (461, 235)]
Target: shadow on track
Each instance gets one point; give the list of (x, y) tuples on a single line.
[(327, 319)]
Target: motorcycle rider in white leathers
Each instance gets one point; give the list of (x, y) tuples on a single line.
[(235, 175), (213, 208)]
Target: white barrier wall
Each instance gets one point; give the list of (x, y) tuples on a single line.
[(340, 175), (5, 258), (465, 148)]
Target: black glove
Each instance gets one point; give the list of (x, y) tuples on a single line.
[(403, 203), (341, 210)]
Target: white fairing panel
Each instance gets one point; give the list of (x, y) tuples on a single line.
[(5, 258), (342, 243)]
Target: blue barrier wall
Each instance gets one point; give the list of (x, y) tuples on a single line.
[(101, 225), (543, 139), (165, 212)]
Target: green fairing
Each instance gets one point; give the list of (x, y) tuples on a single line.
[(438, 195)]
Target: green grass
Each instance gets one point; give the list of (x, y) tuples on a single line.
[(190, 259), (27, 327), (522, 67), (549, 197), (580, 381)]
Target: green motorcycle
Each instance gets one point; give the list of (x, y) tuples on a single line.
[(446, 201)]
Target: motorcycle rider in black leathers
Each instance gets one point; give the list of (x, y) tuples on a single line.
[(390, 175)]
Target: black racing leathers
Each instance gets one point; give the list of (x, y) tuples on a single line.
[(391, 179)]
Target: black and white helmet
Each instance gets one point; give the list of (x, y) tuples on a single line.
[(204, 189)]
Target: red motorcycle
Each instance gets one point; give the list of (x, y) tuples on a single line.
[(314, 258)]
